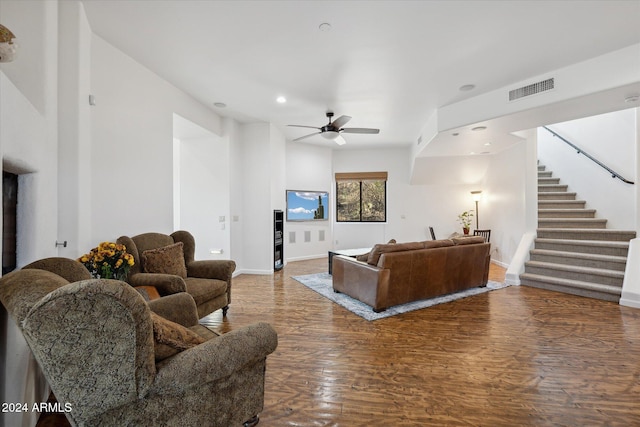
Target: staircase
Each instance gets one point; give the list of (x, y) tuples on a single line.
[(574, 251)]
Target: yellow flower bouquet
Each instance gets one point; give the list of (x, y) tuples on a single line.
[(108, 261)]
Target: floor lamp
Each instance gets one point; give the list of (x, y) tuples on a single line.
[(477, 195)]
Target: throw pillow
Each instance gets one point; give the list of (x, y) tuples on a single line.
[(365, 257), (165, 260), (171, 338)]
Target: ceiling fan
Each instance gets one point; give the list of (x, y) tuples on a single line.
[(332, 130)]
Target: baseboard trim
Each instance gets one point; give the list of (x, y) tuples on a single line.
[(500, 263), (249, 271), (630, 299), (306, 257)]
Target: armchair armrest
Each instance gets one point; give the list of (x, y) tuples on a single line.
[(165, 283), (179, 308), (215, 359), (211, 269)]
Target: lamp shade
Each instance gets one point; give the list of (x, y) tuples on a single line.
[(476, 195), (8, 46)]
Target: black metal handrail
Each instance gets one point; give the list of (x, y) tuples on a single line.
[(613, 173)]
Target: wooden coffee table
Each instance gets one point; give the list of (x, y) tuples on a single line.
[(348, 252)]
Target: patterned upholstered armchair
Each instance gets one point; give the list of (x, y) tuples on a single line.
[(114, 362), (167, 262)]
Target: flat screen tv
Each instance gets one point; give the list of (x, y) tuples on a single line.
[(307, 205)]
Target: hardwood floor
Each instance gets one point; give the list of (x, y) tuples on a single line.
[(518, 356)]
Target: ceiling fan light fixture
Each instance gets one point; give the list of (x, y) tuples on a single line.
[(330, 134)]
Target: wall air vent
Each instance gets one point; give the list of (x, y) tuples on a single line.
[(531, 89)]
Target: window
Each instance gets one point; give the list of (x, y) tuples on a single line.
[(361, 197)]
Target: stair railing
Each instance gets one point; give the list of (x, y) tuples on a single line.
[(613, 173)]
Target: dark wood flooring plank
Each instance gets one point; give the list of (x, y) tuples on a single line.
[(517, 356)]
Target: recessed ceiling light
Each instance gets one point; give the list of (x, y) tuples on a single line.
[(324, 27), (219, 104), (486, 144), (455, 134), (477, 128), (467, 88), (281, 100)]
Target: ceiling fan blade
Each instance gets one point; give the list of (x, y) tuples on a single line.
[(306, 136), (360, 130), (340, 140), (340, 121), (303, 126)]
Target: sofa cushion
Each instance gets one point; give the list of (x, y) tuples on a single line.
[(203, 290), (468, 240), (428, 244), (171, 338), (379, 249), (166, 260)]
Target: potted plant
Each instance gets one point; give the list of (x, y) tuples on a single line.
[(465, 219)]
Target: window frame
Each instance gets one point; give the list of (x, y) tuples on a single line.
[(360, 177)]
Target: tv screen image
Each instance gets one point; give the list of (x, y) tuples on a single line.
[(307, 205)]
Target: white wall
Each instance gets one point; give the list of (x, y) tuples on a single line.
[(132, 144), (28, 146), (237, 175), (503, 207), (74, 118), (411, 206), (204, 194), (261, 179), (610, 138), (309, 169)]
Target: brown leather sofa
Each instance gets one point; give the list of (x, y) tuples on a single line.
[(400, 273)]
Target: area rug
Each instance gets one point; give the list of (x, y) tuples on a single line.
[(322, 284)]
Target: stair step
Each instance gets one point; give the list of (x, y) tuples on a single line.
[(547, 180), (603, 247), (584, 274), (610, 262), (561, 204), (566, 213), (544, 174), (556, 195), (555, 188), (574, 287), (586, 234), (541, 167), (572, 223)]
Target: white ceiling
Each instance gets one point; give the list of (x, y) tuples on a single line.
[(388, 64)]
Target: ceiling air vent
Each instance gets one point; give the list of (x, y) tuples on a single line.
[(531, 89)]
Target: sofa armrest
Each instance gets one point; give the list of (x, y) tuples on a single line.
[(179, 308), (362, 281), (212, 269), (215, 359), (166, 284)]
